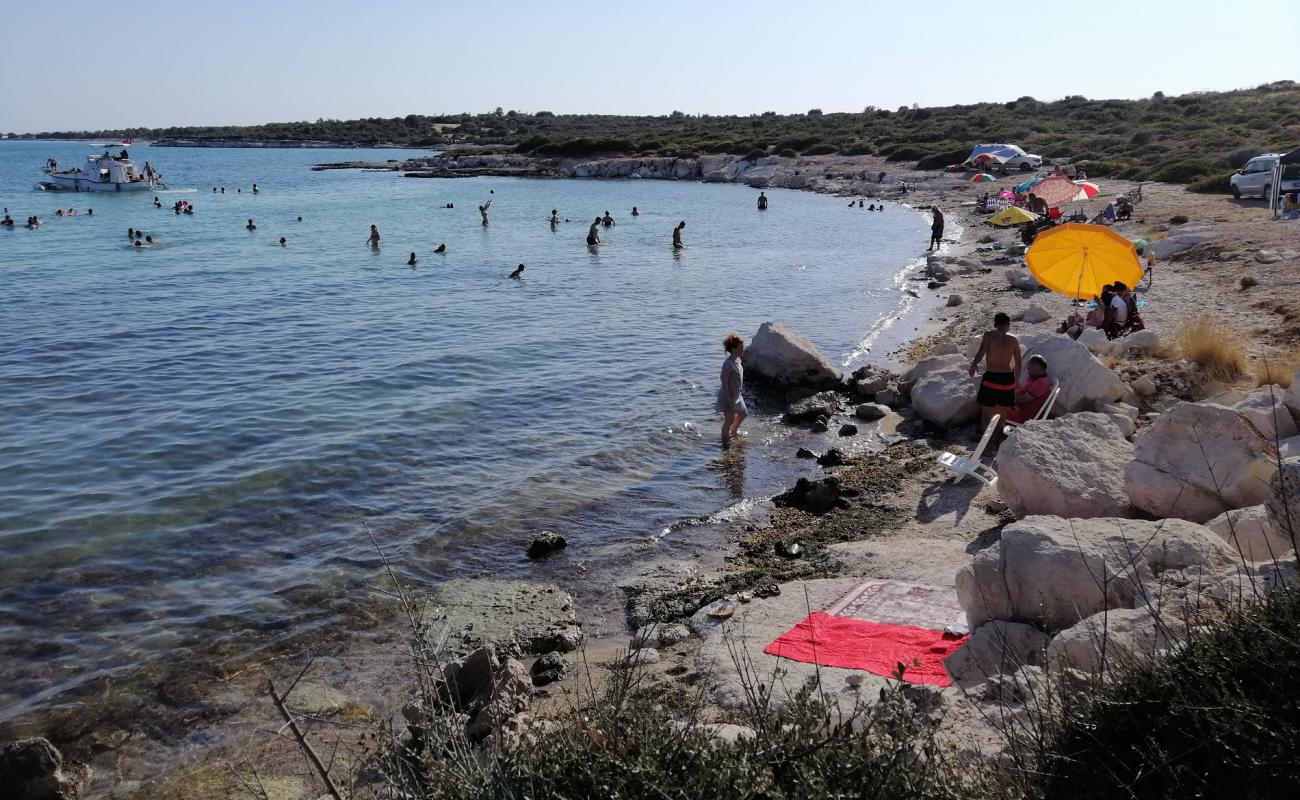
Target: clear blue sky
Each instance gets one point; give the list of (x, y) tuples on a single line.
[(75, 64)]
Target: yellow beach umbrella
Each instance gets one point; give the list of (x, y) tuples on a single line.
[(1012, 215), (1076, 259)]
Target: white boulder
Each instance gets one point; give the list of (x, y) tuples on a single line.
[(1086, 383), (996, 648), (946, 396), (1197, 461), (1072, 466), (1110, 640), (1035, 314), (1266, 409), (779, 355), (1145, 385), (1095, 340), (1284, 501), (1053, 572), (1250, 531), (1142, 341), (927, 365), (1021, 279)]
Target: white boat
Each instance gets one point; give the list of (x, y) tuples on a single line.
[(101, 173)]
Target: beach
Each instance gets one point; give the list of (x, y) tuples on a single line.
[(898, 526)]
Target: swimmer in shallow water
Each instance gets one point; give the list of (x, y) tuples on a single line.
[(139, 243), (130, 233), (148, 240), (678, 244), (518, 274), (300, 219), (593, 233), (251, 225), (373, 241), (483, 209), (607, 221), (284, 242), (555, 218), (442, 248), (635, 213), (410, 262)]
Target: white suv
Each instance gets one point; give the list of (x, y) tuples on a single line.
[(1256, 178)]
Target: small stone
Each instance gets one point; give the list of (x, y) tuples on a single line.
[(545, 544), (871, 411), (1144, 385), (848, 429), (788, 549), (820, 426), (955, 300), (888, 397), (804, 452), (995, 507), (549, 668), (833, 457), (638, 658)]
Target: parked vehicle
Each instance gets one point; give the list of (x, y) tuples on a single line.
[(1007, 155), (1256, 178)]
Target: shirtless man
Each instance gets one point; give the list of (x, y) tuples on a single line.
[(1001, 353), (483, 209), (593, 233), (677, 235), (518, 274)]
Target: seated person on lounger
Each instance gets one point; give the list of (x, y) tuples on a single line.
[(1031, 394)]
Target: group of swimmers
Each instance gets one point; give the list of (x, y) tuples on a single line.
[(35, 222), (237, 191), (140, 239), (871, 207)]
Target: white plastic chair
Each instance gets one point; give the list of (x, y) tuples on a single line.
[(972, 466), (1047, 405)]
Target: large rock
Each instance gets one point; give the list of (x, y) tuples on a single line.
[(1086, 383), (1111, 640), (822, 404), (867, 380), (516, 616), (1292, 397), (946, 396), (1284, 500), (996, 648), (1021, 279), (33, 769), (1053, 572), (1197, 461), (1266, 409), (779, 355), (1072, 466), (1035, 314), (1250, 531), (927, 365)]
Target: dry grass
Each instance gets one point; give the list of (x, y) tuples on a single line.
[(1213, 347), (1278, 369)]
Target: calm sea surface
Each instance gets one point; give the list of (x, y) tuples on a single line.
[(192, 435)]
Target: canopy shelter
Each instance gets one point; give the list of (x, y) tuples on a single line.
[(1012, 216), (1285, 160), (983, 177), (1000, 153), (1077, 259)]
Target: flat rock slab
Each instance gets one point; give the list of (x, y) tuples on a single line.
[(731, 651), (517, 616)]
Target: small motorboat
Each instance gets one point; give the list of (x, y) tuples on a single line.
[(101, 173)]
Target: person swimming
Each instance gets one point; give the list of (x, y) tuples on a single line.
[(223, 190), (148, 240), (410, 262), (138, 243), (139, 234), (130, 233), (518, 273), (8, 221), (251, 225), (300, 219), (677, 235), (555, 217), (58, 212), (762, 202), (607, 220), (593, 233), (188, 209), (373, 241), (635, 213), (442, 248), (284, 242), (90, 212), (483, 209), (255, 189)]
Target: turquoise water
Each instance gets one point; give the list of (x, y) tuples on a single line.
[(191, 435)]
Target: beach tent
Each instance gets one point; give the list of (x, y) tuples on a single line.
[(996, 152), (983, 177), (1286, 159), (1024, 187)]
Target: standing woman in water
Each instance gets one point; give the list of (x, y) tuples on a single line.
[(373, 241), (730, 403)]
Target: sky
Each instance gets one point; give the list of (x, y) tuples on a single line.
[(217, 62)]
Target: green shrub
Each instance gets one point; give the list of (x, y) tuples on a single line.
[(909, 152), (1212, 184), (821, 150), (1180, 171), (1215, 718), (941, 160), (755, 155), (858, 149)]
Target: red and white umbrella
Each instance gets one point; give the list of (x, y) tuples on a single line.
[(1087, 190)]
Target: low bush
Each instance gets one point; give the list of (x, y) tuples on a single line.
[(821, 150), (788, 153), (1212, 184), (941, 160), (1179, 171), (858, 149), (1211, 346)]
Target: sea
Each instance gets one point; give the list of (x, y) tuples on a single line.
[(204, 443)]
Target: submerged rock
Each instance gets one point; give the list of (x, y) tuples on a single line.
[(541, 617), (546, 543), (34, 769), (822, 404), (848, 429)]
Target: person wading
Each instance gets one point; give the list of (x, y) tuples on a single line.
[(730, 402), (936, 228)]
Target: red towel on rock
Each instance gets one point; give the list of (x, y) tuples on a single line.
[(877, 648)]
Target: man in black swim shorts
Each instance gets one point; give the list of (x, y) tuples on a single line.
[(1001, 353)]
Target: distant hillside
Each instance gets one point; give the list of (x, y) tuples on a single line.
[(1178, 139)]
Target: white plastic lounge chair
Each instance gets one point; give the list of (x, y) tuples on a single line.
[(972, 466), (1047, 405)]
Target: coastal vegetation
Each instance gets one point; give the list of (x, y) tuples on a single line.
[(1196, 138)]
